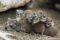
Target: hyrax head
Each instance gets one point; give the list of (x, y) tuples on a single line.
[(19, 14), (49, 22), (10, 24), (39, 16), (29, 15)]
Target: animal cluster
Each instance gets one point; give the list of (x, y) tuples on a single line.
[(28, 21)]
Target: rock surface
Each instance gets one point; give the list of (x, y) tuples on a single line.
[(7, 36), (7, 4)]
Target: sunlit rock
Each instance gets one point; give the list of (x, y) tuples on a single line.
[(7, 4), (7, 36)]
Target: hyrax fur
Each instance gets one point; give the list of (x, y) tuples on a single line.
[(12, 25), (25, 25)]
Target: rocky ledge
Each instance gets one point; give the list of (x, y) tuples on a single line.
[(8, 4)]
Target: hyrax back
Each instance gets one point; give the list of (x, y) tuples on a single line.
[(51, 31), (39, 27)]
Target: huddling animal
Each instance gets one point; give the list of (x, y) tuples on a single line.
[(41, 23), (12, 25), (21, 18), (35, 21)]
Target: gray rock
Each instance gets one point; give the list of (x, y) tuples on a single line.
[(7, 36), (7, 4), (2, 38)]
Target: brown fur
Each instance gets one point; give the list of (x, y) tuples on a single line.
[(25, 26), (39, 27), (51, 31)]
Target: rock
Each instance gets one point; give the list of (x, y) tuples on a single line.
[(2, 38), (7, 36), (29, 5), (7, 4)]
